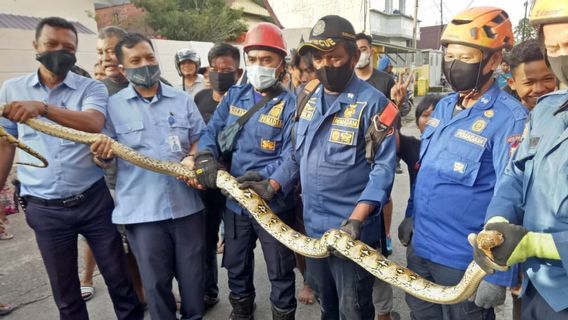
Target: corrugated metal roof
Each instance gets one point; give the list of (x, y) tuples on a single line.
[(12, 21)]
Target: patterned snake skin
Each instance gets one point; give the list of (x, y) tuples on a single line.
[(357, 251)]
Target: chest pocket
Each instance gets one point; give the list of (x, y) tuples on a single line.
[(130, 134), (560, 197), (425, 141), (341, 145), (268, 139), (525, 163), (460, 161), (181, 129)]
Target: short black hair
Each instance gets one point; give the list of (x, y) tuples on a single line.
[(350, 46), (55, 22), (224, 49), (524, 52), (362, 36), (430, 99), (129, 41), (112, 31), (297, 59)]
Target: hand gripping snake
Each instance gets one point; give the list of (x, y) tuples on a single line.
[(355, 250)]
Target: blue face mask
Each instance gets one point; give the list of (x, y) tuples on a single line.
[(261, 77), (146, 76)]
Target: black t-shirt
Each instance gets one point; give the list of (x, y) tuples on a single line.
[(382, 81), (409, 152), (114, 87), (206, 104)]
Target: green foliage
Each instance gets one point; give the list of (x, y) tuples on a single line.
[(524, 31), (193, 20)]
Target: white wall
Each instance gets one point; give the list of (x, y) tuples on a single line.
[(17, 55), (305, 13)]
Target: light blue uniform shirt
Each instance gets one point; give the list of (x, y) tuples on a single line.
[(162, 129), (461, 159), (533, 192), (71, 168)]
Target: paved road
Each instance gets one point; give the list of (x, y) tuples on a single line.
[(23, 281)]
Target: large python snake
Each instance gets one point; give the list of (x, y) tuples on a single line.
[(357, 251)]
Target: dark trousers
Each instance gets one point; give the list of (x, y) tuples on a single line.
[(442, 275), (241, 233), (57, 229), (534, 307), (214, 203), (167, 249), (344, 289)]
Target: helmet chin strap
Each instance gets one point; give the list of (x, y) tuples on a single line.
[(478, 86)]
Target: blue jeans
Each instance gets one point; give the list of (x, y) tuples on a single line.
[(442, 275), (343, 288)]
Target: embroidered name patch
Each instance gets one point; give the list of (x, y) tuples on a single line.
[(236, 111), (270, 120), (471, 137), (341, 136), (346, 122), (269, 145)]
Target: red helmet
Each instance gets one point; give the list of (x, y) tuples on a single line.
[(266, 35)]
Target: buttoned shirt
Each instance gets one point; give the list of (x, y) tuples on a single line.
[(533, 192), (163, 129), (71, 168), (461, 160)]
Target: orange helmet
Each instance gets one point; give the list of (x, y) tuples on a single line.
[(549, 11), (482, 28), (266, 35)]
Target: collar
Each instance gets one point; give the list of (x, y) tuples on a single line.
[(486, 100), (248, 91), (70, 80), (163, 91), (349, 94)]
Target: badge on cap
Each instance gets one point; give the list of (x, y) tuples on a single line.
[(319, 28)]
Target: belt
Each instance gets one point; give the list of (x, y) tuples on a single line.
[(71, 201)]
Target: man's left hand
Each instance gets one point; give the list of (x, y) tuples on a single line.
[(489, 295), (398, 91), (21, 111), (258, 184)]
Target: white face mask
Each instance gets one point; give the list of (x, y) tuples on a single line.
[(364, 60), (261, 77)]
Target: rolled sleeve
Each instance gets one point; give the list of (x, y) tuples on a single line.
[(96, 98), (382, 174)]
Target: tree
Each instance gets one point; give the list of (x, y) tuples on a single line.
[(524, 31), (193, 20)]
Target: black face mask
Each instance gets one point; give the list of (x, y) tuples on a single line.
[(465, 76), (222, 81), (559, 66), (146, 76), (335, 79), (58, 62)]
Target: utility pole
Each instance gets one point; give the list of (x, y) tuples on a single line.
[(524, 26), (414, 32), (441, 19)]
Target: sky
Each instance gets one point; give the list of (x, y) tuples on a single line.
[(429, 10)]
